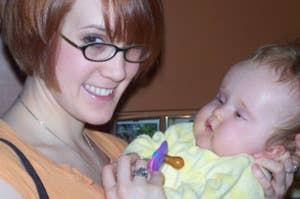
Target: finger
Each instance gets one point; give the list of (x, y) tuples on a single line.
[(133, 156), (123, 169), (140, 178), (157, 178), (288, 168), (297, 140), (296, 160), (289, 179), (264, 181), (108, 177), (277, 169)]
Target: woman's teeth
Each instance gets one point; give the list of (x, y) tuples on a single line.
[(98, 91)]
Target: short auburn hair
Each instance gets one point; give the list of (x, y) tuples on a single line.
[(30, 29), (284, 59)]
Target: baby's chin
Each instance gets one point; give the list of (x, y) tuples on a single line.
[(201, 143), (222, 152)]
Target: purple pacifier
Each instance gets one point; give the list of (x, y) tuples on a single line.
[(158, 157)]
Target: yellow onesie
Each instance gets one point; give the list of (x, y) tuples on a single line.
[(204, 175)]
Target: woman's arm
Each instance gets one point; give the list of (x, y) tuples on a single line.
[(7, 191)]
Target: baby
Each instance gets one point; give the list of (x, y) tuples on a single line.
[(256, 110)]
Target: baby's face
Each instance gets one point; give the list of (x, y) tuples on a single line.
[(246, 111)]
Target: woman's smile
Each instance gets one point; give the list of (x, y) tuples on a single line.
[(97, 91)]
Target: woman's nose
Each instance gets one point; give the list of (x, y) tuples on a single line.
[(114, 68)]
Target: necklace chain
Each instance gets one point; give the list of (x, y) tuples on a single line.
[(86, 139)]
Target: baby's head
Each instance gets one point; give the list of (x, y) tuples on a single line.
[(257, 107)]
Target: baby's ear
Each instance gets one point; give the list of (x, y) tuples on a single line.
[(274, 151)]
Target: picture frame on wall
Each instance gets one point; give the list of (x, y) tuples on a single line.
[(128, 129), (129, 125), (175, 119)]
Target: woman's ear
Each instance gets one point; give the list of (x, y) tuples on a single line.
[(274, 151)]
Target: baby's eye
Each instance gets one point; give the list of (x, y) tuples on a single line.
[(240, 116), (92, 39), (237, 114), (220, 99)]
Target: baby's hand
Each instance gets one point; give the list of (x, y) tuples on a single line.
[(128, 178)]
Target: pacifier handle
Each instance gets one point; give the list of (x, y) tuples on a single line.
[(175, 161)]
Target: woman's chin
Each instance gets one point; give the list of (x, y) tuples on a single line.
[(99, 119)]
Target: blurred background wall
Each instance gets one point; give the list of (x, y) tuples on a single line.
[(10, 82)]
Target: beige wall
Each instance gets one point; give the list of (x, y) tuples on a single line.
[(10, 85), (204, 37)]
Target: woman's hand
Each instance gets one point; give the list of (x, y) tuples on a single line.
[(282, 171), (276, 186), (296, 157), (119, 183)]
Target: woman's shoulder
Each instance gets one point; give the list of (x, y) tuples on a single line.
[(7, 137), (12, 173), (55, 177)]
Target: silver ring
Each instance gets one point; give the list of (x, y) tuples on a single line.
[(143, 172), (295, 168)]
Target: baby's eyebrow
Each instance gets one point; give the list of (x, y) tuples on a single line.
[(243, 105)]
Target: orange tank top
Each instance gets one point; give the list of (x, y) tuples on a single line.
[(60, 181)]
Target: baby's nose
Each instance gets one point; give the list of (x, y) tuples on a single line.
[(218, 114)]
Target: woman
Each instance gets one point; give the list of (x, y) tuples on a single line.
[(79, 57), (72, 79)]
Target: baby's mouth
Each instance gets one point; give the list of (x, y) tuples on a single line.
[(208, 126)]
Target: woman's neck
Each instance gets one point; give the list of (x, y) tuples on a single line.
[(41, 122), (38, 107)]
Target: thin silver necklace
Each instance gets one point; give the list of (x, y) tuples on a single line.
[(86, 139)]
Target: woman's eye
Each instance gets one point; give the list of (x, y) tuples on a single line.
[(92, 39)]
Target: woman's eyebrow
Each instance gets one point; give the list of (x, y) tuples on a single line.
[(94, 26)]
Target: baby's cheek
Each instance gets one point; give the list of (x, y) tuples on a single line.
[(196, 128), (203, 141)]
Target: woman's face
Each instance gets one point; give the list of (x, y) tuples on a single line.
[(89, 91)]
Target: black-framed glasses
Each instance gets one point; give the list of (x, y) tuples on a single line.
[(101, 52)]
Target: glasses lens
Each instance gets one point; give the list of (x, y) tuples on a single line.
[(136, 54), (99, 51)]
